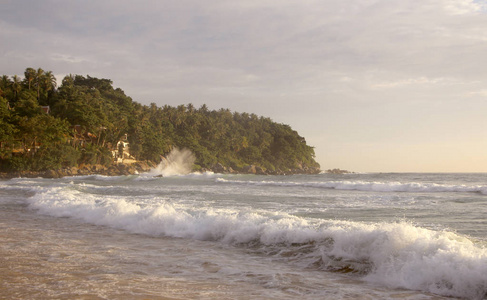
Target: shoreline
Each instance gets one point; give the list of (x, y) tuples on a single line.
[(134, 168), (118, 169)]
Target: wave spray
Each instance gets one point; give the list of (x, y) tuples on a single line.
[(177, 162)]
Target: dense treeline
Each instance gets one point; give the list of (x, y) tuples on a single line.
[(43, 126)]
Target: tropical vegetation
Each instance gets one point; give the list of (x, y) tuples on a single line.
[(45, 126)]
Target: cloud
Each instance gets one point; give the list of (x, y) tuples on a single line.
[(318, 65), (457, 7), (411, 81), (481, 93)]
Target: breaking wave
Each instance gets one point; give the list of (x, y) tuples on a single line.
[(177, 162), (393, 254)]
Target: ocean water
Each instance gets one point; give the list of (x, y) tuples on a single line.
[(215, 236)]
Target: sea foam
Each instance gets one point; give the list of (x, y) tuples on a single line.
[(177, 162), (393, 254)]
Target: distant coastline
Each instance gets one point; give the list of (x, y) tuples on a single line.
[(87, 126)]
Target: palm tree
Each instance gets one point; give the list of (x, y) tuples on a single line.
[(180, 115), (38, 81), (5, 83), (16, 86), (48, 84), (204, 109), (68, 80), (30, 75), (49, 81), (190, 108)]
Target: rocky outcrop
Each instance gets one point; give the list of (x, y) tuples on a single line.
[(145, 166), (113, 170), (338, 171), (219, 168), (257, 170)]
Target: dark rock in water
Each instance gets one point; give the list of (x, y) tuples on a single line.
[(338, 171), (159, 176)]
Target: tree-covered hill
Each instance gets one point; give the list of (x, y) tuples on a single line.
[(44, 126)]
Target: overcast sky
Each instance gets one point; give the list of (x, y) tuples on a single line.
[(373, 85)]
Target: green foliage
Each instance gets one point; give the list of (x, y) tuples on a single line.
[(27, 105), (50, 157), (7, 129), (15, 163), (93, 154), (103, 116), (54, 157)]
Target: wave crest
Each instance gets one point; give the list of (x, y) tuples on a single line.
[(369, 186)]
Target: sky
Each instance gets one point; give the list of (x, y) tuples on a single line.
[(373, 85)]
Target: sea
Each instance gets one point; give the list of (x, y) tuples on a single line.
[(230, 236)]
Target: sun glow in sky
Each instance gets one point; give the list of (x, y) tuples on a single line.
[(373, 85)]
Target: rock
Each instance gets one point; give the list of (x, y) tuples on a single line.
[(315, 170), (260, 171), (338, 171), (112, 171), (219, 168), (73, 171), (145, 166), (250, 169), (98, 169), (131, 170), (62, 172), (51, 174), (142, 166), (83, 171)]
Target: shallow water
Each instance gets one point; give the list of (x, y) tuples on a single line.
[(357, 236)]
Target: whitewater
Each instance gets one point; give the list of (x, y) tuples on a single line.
[(222, 236)]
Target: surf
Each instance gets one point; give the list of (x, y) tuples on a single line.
[(411, 187), (393, 254), (177, 162)]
